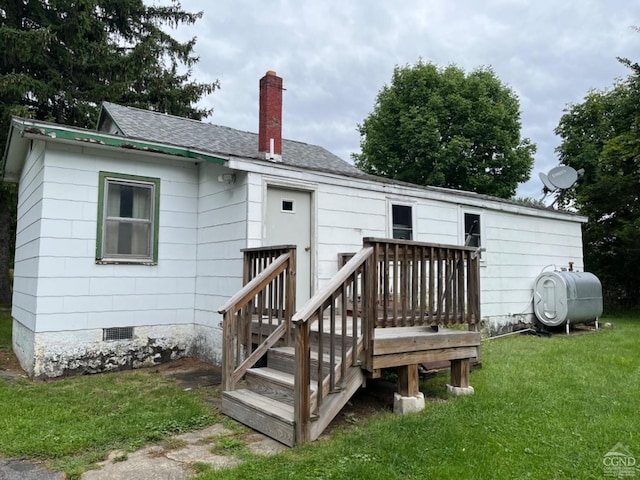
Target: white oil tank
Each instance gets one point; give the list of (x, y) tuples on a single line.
[(567, 297)]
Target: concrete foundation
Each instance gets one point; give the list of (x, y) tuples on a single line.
[(403, 405), (458, 391), (55, 354)]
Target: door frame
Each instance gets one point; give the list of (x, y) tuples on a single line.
[(304, 187)]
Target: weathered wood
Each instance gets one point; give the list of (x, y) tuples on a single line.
[(227, 352), (318, 300), (424, 356), (460, 372), (275, 384), (261, 413), (403, 286), (408, 380), (301, 400), (335, 402), (411, 339), (262, 349), (256, 285)]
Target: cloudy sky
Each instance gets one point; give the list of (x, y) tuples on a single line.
[(335, 56)]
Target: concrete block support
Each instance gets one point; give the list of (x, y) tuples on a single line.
[(403, 405), (457, 391)]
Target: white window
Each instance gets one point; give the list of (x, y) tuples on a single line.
[(402, 221), (127, 219)]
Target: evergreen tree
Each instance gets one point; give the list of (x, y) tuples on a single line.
[(59, 59)]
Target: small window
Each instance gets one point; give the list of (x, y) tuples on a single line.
[(402, 222), (287, 205), (472, 230), (128, 216)]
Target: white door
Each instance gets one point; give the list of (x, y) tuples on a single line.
[(289, 223)]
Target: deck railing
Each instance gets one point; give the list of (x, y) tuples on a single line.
[(342, 336), (389, 283), (421, 283), (262, 308)]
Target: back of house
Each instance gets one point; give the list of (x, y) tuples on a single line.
[(129, 237)]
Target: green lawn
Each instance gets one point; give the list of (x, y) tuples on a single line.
[(77, 421), (544, 408)]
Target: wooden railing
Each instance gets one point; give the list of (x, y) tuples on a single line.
[(262, 308), (421, 283), (389, 283), (342, 335)]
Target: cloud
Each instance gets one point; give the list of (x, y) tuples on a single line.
[(335, 56)]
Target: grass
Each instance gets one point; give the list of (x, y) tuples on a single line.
[(544, 408), (75, 422)]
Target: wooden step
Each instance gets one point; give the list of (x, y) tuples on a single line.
[(266, 415), (275, 384), (284, 359)]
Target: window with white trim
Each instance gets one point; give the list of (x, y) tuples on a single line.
[(472, 230), (402, 222), (128, 213)]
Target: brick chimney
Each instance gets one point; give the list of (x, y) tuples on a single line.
[(270, 127)]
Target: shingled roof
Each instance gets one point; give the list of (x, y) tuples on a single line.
[(215, 139)]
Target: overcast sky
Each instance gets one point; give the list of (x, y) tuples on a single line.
[(335, 56)]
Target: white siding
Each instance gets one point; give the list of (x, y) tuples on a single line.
[(519, 241), (222, 232), (76, 293), (27, 254)]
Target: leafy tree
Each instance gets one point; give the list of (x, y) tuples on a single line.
[(602, 136), (60, 58), (442, 127)]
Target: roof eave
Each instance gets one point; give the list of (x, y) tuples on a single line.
[(23, 129)]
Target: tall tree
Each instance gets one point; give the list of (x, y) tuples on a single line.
[(442, 127), (602, 136), (60, 58)]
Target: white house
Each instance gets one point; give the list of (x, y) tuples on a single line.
[(129, 237)]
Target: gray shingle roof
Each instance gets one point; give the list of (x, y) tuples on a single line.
[(216, 139)]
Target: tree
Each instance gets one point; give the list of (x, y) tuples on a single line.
[(61, 58), (602, 136), (441, 127)]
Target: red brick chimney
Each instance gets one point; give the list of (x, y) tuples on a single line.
[(270, 127)]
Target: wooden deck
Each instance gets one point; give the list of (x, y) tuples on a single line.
[(395, 347), (297, 370)]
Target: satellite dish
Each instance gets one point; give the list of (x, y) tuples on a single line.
[(562, 177), (548, 186)]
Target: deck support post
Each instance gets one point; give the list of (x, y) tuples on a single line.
[(460, 378), (409, 398)]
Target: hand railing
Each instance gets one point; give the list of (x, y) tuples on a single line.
[(260, 313), (342, 336)]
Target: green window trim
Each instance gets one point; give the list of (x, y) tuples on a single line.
[(154, 183)]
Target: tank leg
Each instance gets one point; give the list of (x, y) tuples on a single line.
[(568, 327), (597, 326)]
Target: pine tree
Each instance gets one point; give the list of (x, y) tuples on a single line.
[(59, 59)]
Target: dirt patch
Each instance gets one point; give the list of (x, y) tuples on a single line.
[(9, 366)]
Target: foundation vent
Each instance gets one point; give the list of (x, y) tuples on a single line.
[(117, 333)]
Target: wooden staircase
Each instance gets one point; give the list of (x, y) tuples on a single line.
[(266, 401), (288, 375)]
